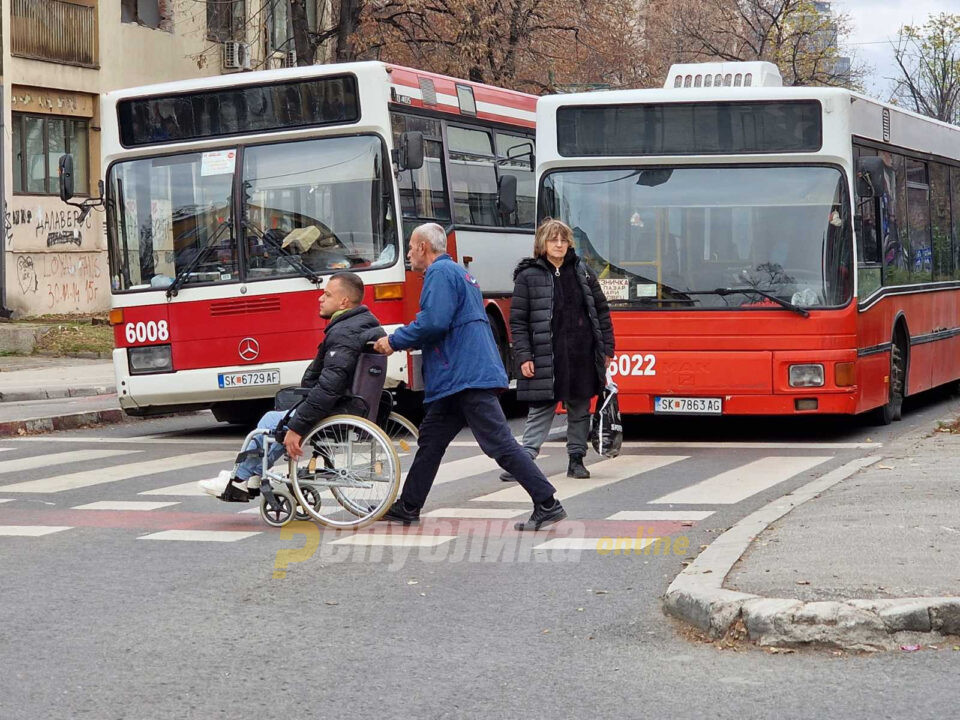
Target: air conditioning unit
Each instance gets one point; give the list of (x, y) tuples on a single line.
[(236, 55), (290, 58)]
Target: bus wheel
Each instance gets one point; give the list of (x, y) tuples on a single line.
[(500, 338), (898, 372)]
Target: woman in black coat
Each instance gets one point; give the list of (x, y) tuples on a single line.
[(562, 340)]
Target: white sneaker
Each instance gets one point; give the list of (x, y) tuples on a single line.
[(218, 485)]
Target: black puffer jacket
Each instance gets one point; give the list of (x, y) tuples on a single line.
[(531, 314), (330, 375)]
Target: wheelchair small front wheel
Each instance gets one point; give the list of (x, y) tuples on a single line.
[(280, 514), (352, 459)]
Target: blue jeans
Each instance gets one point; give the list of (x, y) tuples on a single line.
[(253, 465), (481, 411)]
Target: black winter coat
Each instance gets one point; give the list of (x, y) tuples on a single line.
[(531, 324), (330, 375)]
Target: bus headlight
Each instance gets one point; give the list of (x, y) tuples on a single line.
[(150, 359), (806, 375)]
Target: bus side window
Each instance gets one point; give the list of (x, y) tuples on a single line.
[(515, 156), (423, 192), (473, 176)]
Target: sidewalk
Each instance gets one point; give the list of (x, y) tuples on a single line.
[(865, 558), (53, 393)]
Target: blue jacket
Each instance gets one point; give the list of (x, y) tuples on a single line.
[(452, 330)]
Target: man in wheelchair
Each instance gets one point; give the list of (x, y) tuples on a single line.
[(328, 378)]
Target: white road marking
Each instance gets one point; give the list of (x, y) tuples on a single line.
[(147, 440), (395, 540), (463, 468), (74, 456), (605, 472), (199, 535), (124, 505), (188, 489), (30, 530), (88, 478), (741, 482), (6, 500), (658, 515), (476, 513)]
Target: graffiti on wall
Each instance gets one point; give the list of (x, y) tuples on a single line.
[(61, 282)]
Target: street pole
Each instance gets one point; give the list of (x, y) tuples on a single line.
[(4, 312)]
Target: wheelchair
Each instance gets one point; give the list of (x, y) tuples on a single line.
[(349, 473)]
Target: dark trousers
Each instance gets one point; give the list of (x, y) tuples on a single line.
[(481, 412)]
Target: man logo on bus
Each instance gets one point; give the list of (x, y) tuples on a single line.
[(249, 349)]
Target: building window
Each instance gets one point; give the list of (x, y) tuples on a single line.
[(142, 12), (38, 143), (225, 20), (279, 29)]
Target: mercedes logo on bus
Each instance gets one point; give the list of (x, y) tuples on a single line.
[(249, 349)]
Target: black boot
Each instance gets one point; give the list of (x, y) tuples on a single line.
[(402, 513), (575, 468), (546, 513)]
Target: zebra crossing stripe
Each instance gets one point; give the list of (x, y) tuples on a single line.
[(5, 500), (657, 515), (605, 472), (188, 489), (738, 484), (199, 535), (123, 505), (74, 481), (30, 530), (76, 456)]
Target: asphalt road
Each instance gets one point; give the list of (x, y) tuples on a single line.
[(123, 611)]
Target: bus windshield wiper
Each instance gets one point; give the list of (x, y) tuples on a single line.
[(183, 274), (297, 264), (650, 300), (723, 292)]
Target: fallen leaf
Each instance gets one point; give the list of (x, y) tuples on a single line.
[(686, 523), (909, 648), (545, 631), (413, 582), (600, 592), (885, 467), (802, 582), (331, 602)]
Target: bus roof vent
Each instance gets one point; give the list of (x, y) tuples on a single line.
[(723, 74)]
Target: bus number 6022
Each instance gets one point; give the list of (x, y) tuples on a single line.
[(637, 364)]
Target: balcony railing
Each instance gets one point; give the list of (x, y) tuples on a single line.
[(54, 30)]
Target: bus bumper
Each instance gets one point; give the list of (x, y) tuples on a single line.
[(826, 404)]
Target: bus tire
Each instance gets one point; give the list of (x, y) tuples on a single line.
[(500, 338), (893, 409)]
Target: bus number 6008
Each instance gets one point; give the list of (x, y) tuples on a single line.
[(147, 332), (634, 365)]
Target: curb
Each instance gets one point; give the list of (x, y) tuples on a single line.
[(697, 595), (21, 396), (61, 422)]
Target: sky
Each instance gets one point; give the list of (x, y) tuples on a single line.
[(875, 24)]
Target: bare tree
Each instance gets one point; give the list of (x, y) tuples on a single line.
[(793, 34), (928, 64)]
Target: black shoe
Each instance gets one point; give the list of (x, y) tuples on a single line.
[(507, 477), (543, 516), (575, 468), (401, 513)]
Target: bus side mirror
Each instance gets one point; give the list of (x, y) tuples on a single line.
[(507, 194), (65, 170), (870, 177), (410, 150)]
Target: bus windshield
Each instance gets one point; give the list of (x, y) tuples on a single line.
[(670, 238), (306, 207)]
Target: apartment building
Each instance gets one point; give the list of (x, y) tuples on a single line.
[(57, 57)]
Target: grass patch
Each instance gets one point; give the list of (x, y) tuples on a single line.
[(71, 338)]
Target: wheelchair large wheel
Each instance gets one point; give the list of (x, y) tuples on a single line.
[(402, 433), (354, 461)]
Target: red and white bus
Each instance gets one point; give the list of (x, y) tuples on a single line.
[(766, 250), (230, 200)]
